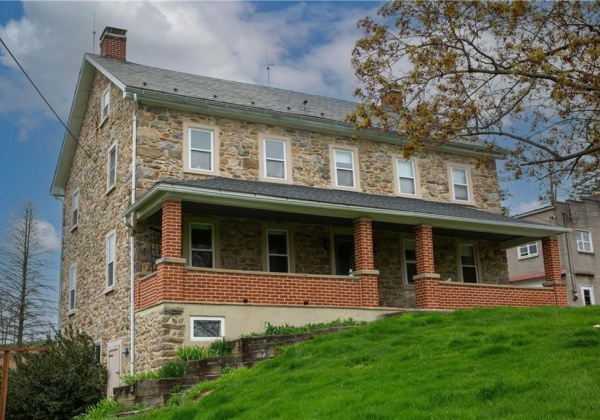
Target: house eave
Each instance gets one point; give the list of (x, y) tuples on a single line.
[(151, 202)]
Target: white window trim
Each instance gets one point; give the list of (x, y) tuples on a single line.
[(416, 179), (468, 170), (72, 301), (206, 318), (109, 186), (108, 288), (405, 261), (288, 255), (187, 155), (355, 167), (529, 253), (212, 240), (584, 251), (262, 151), (104, 117), (98, 343), (460, 264), (75, 194), (592, 298)]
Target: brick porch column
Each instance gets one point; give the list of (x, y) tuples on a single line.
[(363, 262), (552, 270), (426, 280), (170, 246)]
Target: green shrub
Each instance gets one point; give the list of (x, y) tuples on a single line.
[(192, 353), (105, 409), (219, 348), (172, 369), (287, 329), (58, 383)]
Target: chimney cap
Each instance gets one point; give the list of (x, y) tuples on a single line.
[(113, 32)]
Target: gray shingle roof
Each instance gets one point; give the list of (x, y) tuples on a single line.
[(349, 198), (225, 91)]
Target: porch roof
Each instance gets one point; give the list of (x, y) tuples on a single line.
[(342, 204)]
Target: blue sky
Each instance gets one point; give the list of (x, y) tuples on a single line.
[(309, 44)]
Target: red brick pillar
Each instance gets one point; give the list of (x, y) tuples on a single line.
[(171, 229), (363, 262), (426, 280), (363, 244), (552, 270)]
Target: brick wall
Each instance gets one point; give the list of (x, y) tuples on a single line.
[(424, 249), (363, 244), (551, 259), (171, 229), (114, 47)]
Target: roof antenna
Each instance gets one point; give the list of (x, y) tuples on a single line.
[(268, 65), (94, 36)]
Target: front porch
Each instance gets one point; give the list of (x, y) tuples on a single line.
[(233, 251)]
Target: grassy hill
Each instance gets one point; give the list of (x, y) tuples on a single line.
[(489, 363)]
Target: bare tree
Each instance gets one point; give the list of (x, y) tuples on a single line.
[(26, 307)]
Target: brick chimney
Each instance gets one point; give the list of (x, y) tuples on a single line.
[(113, 43)]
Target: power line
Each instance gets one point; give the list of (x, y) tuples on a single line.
[(47, 103)]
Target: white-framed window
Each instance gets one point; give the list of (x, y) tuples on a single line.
[(72, 286), (111, 244), (201, 149), (460, 184), (105, 104), (275, 158), (98, 351), (528, 250), (587, 295), (207, 328), (344, 168), (111, 166), (278, 255), (202, 250), (75, 209), (410, 260), (406, 177), (584, 241), (468, 263)]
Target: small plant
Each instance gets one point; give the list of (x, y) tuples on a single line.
[(219, 348), (192, 353), (286, 329), (106, 408), (175, 389), (172, 369)]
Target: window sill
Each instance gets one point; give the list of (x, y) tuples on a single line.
[(71, 312), (528, 257), (110, 189), (108, 290), (213, 172), (409, 286), (206, 339), (103, 121), (276, 180), (464, 203), (586, 252), (342, 188), (74, 227)]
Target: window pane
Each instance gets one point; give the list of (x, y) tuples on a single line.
[(202, 238), (533, 248), (202, 259), (110, 246), (459, 176), (75, 215), (524, 250), (461, 192), (73, 275), (343, 159), (345, 178), (407, 186), (275, 169), (201, 140), (207, 328), (274, 149), (278, 243), (110, 274), (405, 169), (469, 274), (112, 166), (467, 255), (201, 160), (278, 263), (72, 299), (411, 271)]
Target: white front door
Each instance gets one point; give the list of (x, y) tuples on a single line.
[(114, 365)]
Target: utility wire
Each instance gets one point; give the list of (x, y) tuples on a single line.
[(47, 103)]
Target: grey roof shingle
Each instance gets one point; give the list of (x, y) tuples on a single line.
[(225, 91), (348, 198)]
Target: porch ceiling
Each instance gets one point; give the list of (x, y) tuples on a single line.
[(294, 203)]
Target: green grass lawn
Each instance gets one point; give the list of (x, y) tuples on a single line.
[(491, 363)]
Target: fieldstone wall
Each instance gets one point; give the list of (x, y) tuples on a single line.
[(492, 260), (394, 291), (160, 151), (101, 313), (159, 333)]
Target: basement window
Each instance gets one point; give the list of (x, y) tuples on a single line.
[(206, 328)]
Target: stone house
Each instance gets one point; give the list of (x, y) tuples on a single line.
[(580, 268), (197, 208)]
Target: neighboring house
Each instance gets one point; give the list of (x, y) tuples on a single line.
[(580, 265), (197, 208)]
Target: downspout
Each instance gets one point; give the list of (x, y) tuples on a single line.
[(131, 226), (571, 274)]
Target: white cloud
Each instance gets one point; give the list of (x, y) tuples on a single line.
[(525, 206), (47, 236)]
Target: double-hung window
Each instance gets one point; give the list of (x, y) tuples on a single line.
[(584, 241), (275, 162), (345, 172), (206, 328), (72, 286), (201, 149), (112, 166), (111, 243), (202, 252), (460, 184), (278, 251), (587, 295), (75, 210), (468, 263), (105, 104), (528, 250), (410, 260), (407, 180)]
